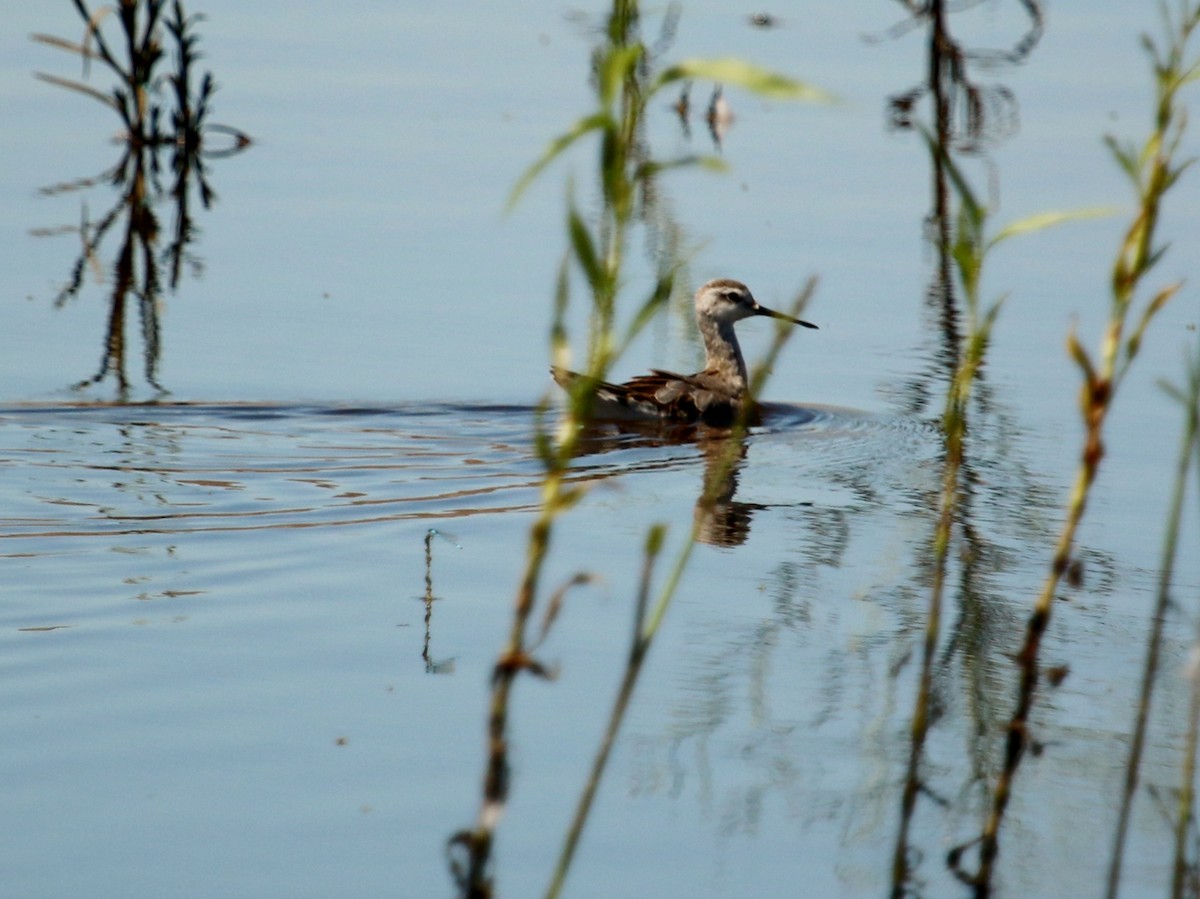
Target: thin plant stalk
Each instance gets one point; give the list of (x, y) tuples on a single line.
[(601, 266), (1182, 873), (1153, 171), (1189, 456), (1150, 668), (637, 655), (967, 250)]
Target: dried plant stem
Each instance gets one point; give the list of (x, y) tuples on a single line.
[(511, 661), (599, 258), (1027, 661)]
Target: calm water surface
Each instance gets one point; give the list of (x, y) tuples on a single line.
[(232, 667), (218, 649)]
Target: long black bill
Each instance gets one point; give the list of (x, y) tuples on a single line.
[(763, 310)]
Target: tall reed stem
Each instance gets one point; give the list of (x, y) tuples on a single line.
[(1189, 456), (1152, 171)]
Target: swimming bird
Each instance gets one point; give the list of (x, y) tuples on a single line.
[(716, 396)]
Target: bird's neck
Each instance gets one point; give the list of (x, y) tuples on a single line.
[(724, 355)]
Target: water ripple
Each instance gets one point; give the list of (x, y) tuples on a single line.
[(78, 471)]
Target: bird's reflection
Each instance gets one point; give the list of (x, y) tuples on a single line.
[(166, 143), (720, 520)]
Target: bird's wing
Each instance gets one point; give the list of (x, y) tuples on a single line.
[(659, 394)]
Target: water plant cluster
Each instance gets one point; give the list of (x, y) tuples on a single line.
[(961, 117)]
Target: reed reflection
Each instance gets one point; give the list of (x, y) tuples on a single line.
[(432, 665), (166, 143), (967, 118)]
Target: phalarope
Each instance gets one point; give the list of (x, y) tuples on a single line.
[(715, 396)]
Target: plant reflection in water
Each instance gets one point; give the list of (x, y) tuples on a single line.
[(166, 142)]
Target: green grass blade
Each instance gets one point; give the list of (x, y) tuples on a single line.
[(1044, 220), (653, 168), (585, 250), (598, 121), (729, 70), (615, 68)]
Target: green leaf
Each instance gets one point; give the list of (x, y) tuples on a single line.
[(598, 121), (615, 68), (729, 70), (653, 167), (1044, 220), (1176, 172), (1080, 355), (1154, 257), (585, 250), (972, 208), (656, 300), (654, 539), (559, 348), (1125, 155), (1160, 299), (989, 318)]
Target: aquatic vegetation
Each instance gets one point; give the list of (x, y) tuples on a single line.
[(971, 244), (966, 117), (1183, 868), (627, 76), (177, 124), (865, 678), (1153, 170)]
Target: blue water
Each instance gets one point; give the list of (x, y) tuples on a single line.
[(229, 668)]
